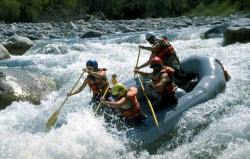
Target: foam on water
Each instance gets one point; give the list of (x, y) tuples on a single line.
[(218, 128)]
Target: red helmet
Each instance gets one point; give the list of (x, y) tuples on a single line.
[(156, 62)]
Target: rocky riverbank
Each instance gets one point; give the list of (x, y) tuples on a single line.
[(17, 38), (97, 28)]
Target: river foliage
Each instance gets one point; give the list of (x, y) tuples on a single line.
[(45, 10)]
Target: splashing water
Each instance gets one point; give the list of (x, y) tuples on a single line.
[(218, 128)]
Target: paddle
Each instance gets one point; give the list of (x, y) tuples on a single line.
[(53, 118), (99, 105), (113, 81), (146, 96), (137, 61), (149, 103)]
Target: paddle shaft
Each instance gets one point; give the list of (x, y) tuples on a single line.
[(149, 103), (53, 117), (138, 57), (59, 109), (71, 91), (99, 105), (146, 96)]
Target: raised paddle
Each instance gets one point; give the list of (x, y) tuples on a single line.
[(53, 118), (138, 56), (99, 105), (113, 81), (146, 96), (149, 103)]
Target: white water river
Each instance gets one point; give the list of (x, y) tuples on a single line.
[(219, 128)]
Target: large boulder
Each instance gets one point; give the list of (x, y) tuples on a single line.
[(92, 34), (4, 54), (219, 29), (236, 34), (215, 32), (17, 45), (19, 84)]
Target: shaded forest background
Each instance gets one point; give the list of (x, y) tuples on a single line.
[(47, 10)]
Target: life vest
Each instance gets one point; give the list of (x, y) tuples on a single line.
[(97, 85), (133, 107), (169, 87), (164, 50)]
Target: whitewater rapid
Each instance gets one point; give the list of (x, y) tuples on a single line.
[(219, 128)]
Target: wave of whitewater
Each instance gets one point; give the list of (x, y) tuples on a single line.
[(219, 128)]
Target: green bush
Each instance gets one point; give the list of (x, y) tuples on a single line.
[(35, 10), (9, 10), (245, 5), (216, 8)]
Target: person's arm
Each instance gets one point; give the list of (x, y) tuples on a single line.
[(143, 65), (164, 79), (146, 63), (115, 104), (151, 48), (99, 74), (144, 74), (80, 88), (148, 48)]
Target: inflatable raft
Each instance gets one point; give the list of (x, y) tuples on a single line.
[(210, 81)]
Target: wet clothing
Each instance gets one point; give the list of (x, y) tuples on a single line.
[(166, 52), (165, 100), (132, 110), (179, 77), (97, 85), (163, 49), (135, 121), (167, 92), (103, 110), (95, 100), (169, 87)]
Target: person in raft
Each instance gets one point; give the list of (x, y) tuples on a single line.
[(96, 80), (126, 102), (166, 52), (162, 83)]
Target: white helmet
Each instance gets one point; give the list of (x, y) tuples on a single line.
[(150, 35)]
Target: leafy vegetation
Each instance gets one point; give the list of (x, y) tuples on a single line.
[(215, 8), (44, 10)]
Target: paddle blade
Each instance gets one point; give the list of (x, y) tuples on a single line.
[(52, 120)]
